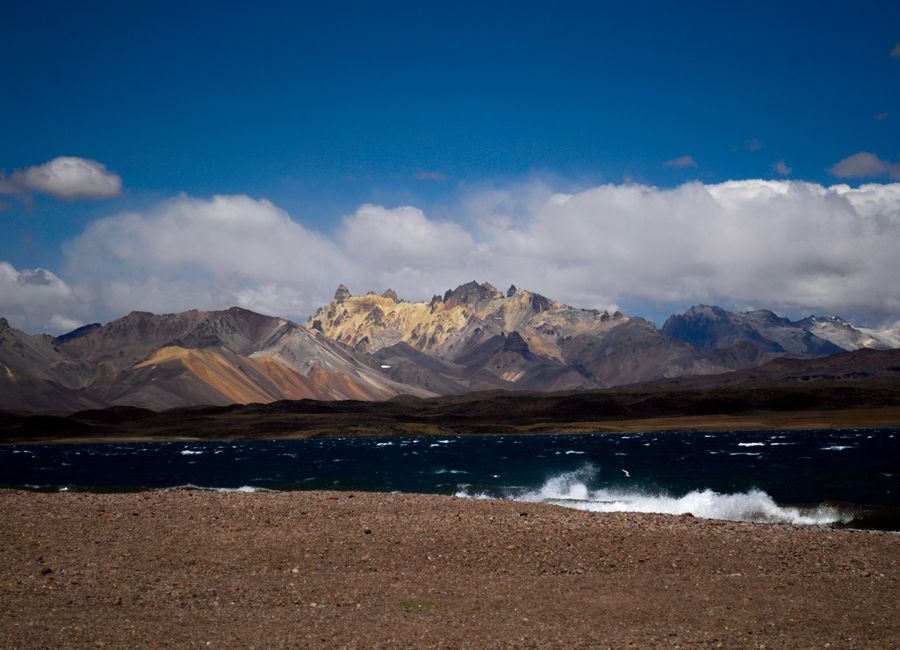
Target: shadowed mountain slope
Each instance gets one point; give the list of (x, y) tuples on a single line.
[(163, 361), (860, 388)]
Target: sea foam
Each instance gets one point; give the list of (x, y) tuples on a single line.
[(571, 490), (204, 488)]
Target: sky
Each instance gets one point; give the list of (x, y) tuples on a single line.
[(643, 156)]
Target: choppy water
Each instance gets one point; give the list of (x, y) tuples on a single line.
[(848, 477)]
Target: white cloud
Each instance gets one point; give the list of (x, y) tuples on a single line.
[(788, 245), (63, 324), (864, 165), (66, 177), (33, 299), (403, 249), (682, 162), (793, 246), (780, 167), (204, 253)]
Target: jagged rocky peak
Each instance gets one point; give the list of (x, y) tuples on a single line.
[(534, 301), (390, 294), (539, 303), (515, 343), (812, 319), (342, 293), (471, 293), (3, 323)]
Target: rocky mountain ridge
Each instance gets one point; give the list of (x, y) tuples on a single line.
[(711, 327), (377, 346), (190, 358)]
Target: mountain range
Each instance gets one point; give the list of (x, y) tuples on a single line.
[(376, 346)]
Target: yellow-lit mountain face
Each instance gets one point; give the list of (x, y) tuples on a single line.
[(452, 325), (477, 338)]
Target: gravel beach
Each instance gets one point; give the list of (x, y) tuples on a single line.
[(200, 569)]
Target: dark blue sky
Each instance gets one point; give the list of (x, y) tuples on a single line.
[(320, 107)]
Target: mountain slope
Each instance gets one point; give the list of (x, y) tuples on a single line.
[(376, 347), (709, 327), (169, 360), (851, 337), (852, 389), (455, 324), (35, 374), (570, 348)]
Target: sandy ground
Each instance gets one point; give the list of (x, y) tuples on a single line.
[(328, 570)]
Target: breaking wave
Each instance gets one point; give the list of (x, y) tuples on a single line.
[(204, 488), (571, 490)]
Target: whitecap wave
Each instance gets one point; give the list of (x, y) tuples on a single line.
[(190, 452), (204, 488), (571, 490)]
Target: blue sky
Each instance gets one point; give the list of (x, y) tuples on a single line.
[(320, 108)]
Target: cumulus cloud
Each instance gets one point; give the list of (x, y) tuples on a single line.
[(204, 253), (66, 177), (35, 299), (403, 249), (682, 162), (780, 167), (864, 165), (793, 246), (63, 324), (790, 245)]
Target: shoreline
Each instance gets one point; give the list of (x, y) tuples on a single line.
[(193, 568), (866, 418), (865, 510)]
